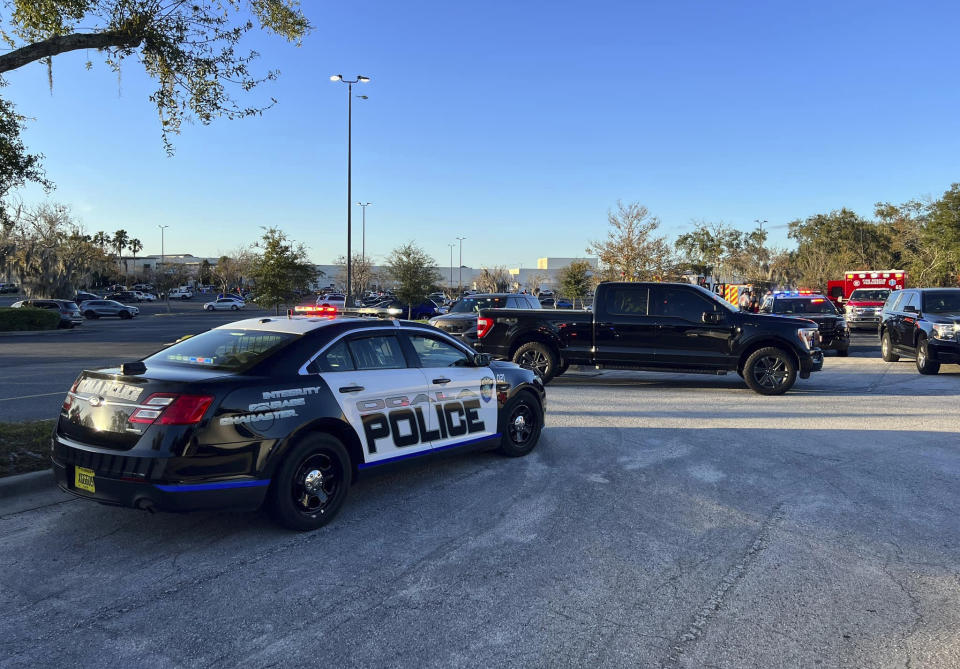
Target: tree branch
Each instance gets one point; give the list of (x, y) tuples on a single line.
[(61, 44)]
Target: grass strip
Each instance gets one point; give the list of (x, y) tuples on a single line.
[(24, 447)]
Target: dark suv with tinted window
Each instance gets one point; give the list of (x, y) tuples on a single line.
[(461, 320), (923, 324)]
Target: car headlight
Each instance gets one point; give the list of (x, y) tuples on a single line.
[(808, 336), (945, 330)]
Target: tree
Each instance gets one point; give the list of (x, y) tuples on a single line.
[(17, 167), (575, 280), (189, 48), (230, 270), (538, 280), (103, 240), (361, 271), (280, 269), (829, 244), (135, 246), (48, 253), (120, 239), (415, 273), (494, 280), (631, 251)]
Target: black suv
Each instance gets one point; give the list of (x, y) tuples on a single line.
[(461, 320), (833, 327), (923, 324)]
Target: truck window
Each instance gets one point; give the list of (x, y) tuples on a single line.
[(627, 300), (677, 302), (910, 300)]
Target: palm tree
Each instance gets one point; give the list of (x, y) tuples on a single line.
[(120, 239), (102, 239), (135, 246)]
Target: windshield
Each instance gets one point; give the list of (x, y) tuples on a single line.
[(816, 305), (716, 298), (474, 304), (870, 295), (942, 302), (230, 350)]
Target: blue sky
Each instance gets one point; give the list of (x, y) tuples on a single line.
[(519, 124)]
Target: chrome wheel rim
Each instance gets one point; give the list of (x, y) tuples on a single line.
[(921, 356), (770, 371), (316, 483)]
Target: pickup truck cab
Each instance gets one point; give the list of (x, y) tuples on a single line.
[(667, 327)]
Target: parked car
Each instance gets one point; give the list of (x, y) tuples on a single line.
[(7, 288), (144, 287), (124, 296), (394, 308), (181, 294), (231, 296), (70, 315), (667, 327), (106, 308), (461, 319), (923, 324), (834, 329), (337, 300), (224, 303), (548, 303), (144, 297), (83, 296)]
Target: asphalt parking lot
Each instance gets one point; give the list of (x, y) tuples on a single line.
[(663, 521)]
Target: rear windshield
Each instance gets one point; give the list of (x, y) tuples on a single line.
[(870, 295), (816, 305), (230, 350), (474, 304), (942, 301)]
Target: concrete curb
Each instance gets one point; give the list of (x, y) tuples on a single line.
[(34, 333), (23, 484)]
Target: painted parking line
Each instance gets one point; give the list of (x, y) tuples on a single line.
[(27, 397)]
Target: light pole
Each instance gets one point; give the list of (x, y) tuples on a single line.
[(451, 245), (760, 223), (363, 251), (349, 83), (460, 280), (163, 262)]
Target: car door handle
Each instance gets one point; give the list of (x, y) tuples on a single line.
[(441, 380), (351, 389)]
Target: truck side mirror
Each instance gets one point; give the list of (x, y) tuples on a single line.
[(712, 317), (910, 309)]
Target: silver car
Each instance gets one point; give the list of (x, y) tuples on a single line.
[(104, 308)]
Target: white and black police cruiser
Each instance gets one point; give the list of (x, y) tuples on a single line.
[(286, 412)]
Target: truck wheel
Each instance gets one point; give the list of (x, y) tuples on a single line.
[(311, 483), (924, 364), (523, 425), (770, 371), (886, 349), (89, 315), (538, 357)]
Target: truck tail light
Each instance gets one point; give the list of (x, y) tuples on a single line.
[(483, 327), (172, 409)]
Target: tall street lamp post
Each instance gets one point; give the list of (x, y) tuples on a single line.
[(163, 263), (349, 83), (363, 249), (451, 245), (460, 280)]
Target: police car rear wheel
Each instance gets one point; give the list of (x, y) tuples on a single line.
[(523, 426), (770, 371), (311, 483)]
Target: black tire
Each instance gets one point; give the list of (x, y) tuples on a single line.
[(521, 431), (843, 352), (125, 315), (886, 349), (207, 308), (89, 315), (770, 371), (311, 483), (539, 357), (234, 307), (924, 364)]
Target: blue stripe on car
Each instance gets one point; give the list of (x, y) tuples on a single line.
[(191, 487)]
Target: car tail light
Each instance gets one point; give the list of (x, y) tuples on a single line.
[(172, 409), (483, 327)]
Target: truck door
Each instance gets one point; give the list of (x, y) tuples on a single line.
[(693, 330), (624, 333)]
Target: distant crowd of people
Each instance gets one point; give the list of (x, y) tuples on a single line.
[(750, 300)]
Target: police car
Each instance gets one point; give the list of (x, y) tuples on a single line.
[(833, 328), (285, 412)]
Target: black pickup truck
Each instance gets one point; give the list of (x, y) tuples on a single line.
[(665, 327)]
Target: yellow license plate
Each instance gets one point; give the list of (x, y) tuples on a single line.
[(83, 479)]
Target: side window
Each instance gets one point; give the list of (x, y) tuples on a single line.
[(336, 359), (514, 303), (910, 300), (627, 301), (677, 302), (437, 353), (767, 306), (381, 352)]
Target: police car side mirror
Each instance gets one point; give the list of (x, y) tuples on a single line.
[(481, 360)]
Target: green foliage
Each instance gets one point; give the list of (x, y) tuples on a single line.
[(414, 271), (28, 318), (17, 167), (729, 254), (25, 447), (631, 251), (280, 269), (575, 280)]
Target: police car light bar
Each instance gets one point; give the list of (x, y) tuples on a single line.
[(794, 292), (308, 310)]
